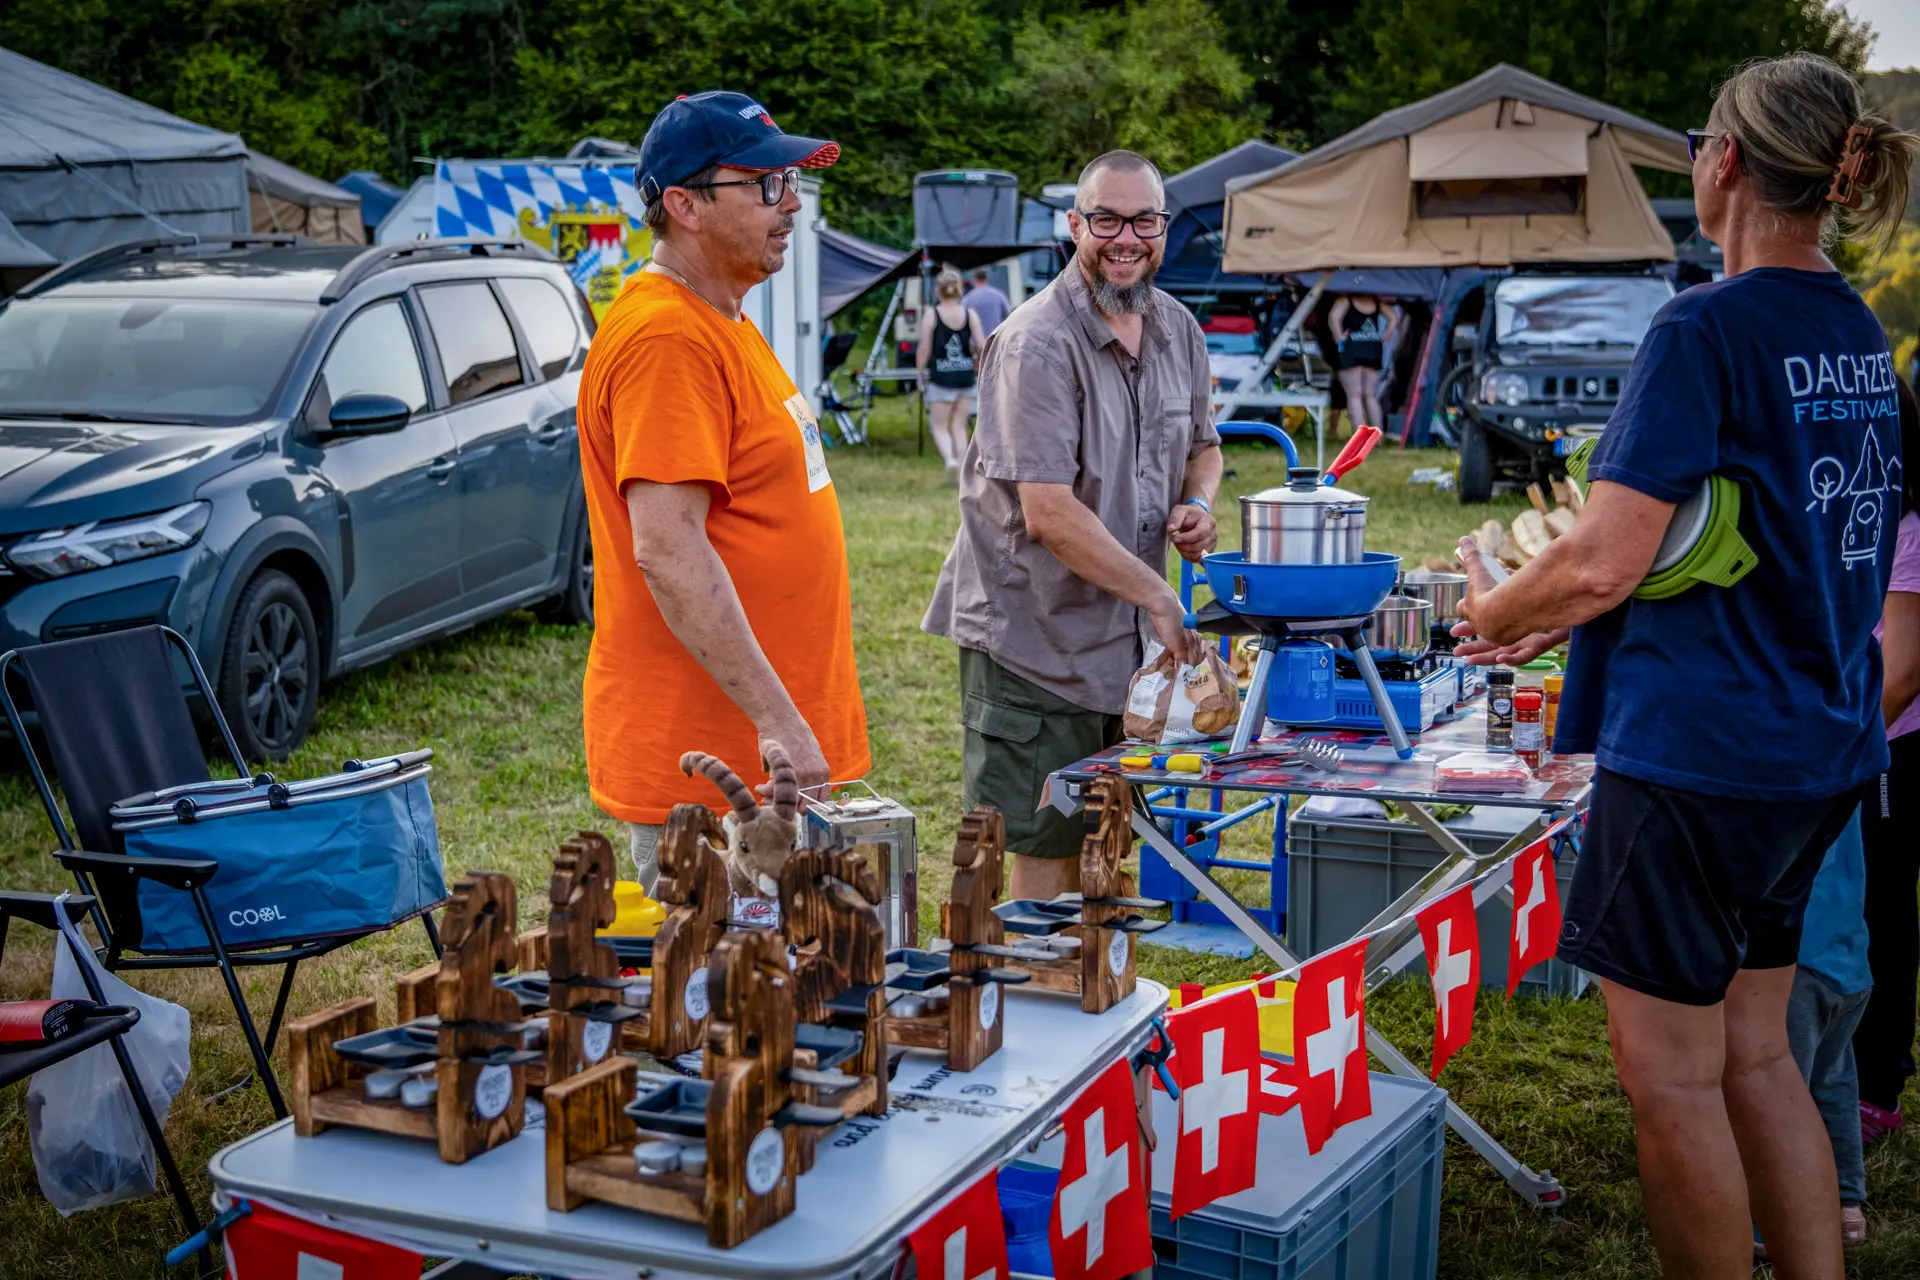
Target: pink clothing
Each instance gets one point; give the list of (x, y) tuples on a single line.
[(1906, 577)]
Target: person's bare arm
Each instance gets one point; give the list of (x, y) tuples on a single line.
[(1576, 579), (1194, 531), (1900, 651), (1333, 316), (1065, 526), (696, 596), (925, 352), (979, 334)]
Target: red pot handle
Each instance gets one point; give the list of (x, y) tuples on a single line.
[(1355, 453)]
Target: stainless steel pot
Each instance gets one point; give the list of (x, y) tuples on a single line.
[(1303, 522), (1402, 628), (1445, 591)]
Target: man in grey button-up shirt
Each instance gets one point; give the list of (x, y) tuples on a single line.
[(1094, 447)]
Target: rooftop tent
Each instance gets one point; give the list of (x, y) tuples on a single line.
[(966, 207), (1505, 168), (377, 195), (83, 167), (850, 266), (1197, 199), (284, 199)]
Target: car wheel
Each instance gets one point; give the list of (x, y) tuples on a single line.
[(1475, 478), (574, 605), (270, 668)]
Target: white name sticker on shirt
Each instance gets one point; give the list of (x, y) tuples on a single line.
[(817, 477)]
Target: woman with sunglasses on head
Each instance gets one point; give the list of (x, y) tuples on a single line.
[(1363, 327), (951, 340), (1733, 725)]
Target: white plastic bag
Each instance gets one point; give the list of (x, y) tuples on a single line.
[(89, 1146)]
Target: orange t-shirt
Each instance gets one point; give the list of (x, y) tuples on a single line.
[(675, 393)]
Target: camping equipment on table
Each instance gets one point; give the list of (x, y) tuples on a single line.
[(1307, 520), (852, 815), (1402, 627), (356, 850), (1446, 591)]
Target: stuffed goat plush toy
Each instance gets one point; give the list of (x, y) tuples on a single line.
[(759, 840)]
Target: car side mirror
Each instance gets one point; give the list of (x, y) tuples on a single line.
[(366, 413)]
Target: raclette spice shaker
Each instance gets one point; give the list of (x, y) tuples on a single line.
[(1550, 713), (1528, 730), (1500, 709)]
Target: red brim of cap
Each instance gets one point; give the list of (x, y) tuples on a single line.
[(826, 155), (785, 151)]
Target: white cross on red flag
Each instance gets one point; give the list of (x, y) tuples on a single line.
[(1217, 1062), (1536, 912), (1278, 1093), (1329, 1043), (1451, 931), (1098, 1228), (967, 1239)]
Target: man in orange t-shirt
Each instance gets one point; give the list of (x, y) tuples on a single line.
[(721, 595)]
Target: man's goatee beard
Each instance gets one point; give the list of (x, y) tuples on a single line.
[(1122, 300)]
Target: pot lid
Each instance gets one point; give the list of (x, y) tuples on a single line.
[(1303, 487)]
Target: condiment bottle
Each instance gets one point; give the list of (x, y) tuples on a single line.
[(1550, 713), (1500, 709), (1527, 727)]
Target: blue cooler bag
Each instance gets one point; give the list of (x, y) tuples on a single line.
[(299, 861)]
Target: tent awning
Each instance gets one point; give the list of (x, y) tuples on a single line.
[(850, 267), (17, 252), (284, 182)]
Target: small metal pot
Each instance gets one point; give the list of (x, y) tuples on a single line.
[(1303, 522), (1446, 592), (1402, 628)]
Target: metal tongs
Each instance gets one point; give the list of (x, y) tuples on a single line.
[(1320, 754)]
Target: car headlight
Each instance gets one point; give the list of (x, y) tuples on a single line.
[(1502, 387), (100, 543)]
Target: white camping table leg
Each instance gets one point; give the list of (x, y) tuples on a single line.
[(1541, 1190)]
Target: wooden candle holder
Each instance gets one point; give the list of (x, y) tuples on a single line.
[(693, 885), (1103, 974), (751, 1136), (969, 1030), (480, 1066), (584, 987)]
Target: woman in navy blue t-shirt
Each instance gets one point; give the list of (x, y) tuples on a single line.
[(1731, 725)]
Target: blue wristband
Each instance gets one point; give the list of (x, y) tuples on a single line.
[(1201, 503)]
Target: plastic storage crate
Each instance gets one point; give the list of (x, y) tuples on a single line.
[(1366, 1208), (1342, 872)]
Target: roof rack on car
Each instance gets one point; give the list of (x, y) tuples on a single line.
[(89, 262), (381, 257)]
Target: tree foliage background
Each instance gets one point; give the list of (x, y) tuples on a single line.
[(1035, 86)]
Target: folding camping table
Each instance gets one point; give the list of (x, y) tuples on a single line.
[(874, 1180), (1372, 770)]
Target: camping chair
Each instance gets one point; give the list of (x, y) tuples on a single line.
[(117, 724), (18, 1063), (837, 411)]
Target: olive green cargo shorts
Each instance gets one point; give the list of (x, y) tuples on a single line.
[(1016, 734)]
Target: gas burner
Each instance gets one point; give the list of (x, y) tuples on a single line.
[(1391, 670)]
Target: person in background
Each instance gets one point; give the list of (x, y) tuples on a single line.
[(987, 302), (1095, 448), (722, 600), (1362, 327), (1831, 985), (1712, 808), (950, 344), (1890, 823)]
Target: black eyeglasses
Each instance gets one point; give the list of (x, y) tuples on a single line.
[(1106, 226), (773, 184), (1698, 138)]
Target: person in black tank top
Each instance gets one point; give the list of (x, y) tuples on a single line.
[(1362, 326), (950, 344)]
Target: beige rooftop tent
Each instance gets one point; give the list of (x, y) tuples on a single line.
[(285, 199), (1504, 168)]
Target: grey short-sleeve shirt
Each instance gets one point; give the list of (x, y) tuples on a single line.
[(1062, 402)]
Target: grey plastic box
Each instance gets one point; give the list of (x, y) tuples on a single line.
[(1342, 872), (1367, 1207)]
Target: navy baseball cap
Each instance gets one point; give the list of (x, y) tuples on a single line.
[(720, 128)]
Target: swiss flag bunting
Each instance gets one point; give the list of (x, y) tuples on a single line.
[(1098, 1228), (1217, 1062), (966, 1239), (1330, 1043), (1451, 931), (1536, 912), (1278, 1093)]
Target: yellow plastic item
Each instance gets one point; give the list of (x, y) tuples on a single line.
[(1275, 1001), (635, 915), (1188, 763)]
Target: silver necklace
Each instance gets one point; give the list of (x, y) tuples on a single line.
[(654, 264)]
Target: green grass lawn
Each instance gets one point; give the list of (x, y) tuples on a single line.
[(501, 708)]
